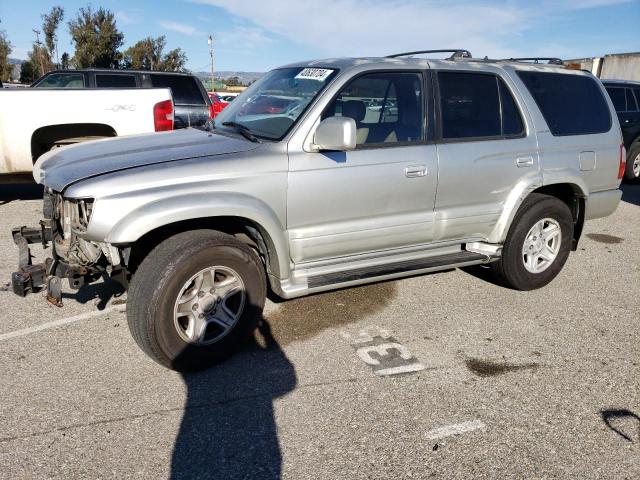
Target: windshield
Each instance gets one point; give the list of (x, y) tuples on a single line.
[(272, 105)]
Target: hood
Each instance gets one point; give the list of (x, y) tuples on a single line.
[(60, 168)]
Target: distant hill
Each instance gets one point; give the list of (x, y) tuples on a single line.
[(245, 77), (15, 61)]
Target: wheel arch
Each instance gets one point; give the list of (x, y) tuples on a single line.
[(248, 219), (572, 194), (43, 138)]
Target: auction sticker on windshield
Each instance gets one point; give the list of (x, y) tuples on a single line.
[(319, 74)]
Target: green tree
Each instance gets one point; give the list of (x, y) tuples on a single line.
[(5, 50), (147, 54), (40, 59), (27, 74), (174, 61), (64, 61), (50, 23), (97, 39)]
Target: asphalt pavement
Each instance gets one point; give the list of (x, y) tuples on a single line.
[(472, 380)]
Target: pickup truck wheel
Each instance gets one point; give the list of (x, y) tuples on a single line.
[(537, 245), (632, 171), (194, 298)]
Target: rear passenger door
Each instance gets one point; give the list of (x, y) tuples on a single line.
[(190, 100), (484, 150)]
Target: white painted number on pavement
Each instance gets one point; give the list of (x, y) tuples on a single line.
[(383, 353)]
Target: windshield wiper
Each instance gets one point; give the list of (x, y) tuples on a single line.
[(242, 130)]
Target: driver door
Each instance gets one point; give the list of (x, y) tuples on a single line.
[(378, 197)]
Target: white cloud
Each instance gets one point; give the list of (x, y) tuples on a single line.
[(369, 27), (128, 16), (182, 28)]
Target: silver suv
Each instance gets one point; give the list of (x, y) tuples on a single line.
[(324, 175)]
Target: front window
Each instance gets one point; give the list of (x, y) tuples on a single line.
[(272, 105), (62, 80), (388, 108)]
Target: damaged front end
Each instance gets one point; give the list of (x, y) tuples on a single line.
[(78, 260)]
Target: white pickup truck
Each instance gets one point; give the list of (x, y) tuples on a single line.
[(33, 121)]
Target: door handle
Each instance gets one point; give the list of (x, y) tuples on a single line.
[(524, 161), (413, 171)]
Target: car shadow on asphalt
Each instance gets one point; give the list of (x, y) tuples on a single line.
[(228, 429), (631, 192), (102, 291), (10, 192)]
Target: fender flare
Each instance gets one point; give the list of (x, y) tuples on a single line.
[(518, 195), (166, 211)]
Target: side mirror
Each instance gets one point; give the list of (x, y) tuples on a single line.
[(335, 133)]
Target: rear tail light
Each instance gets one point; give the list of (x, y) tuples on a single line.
[(623, 162), (163, 116)]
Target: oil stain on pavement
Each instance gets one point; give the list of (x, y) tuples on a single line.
[(604, 238), (486, 368)]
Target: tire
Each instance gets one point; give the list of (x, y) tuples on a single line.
[(537, 209), (159, 289), (632, 170)]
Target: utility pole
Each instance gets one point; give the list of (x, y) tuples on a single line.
[(37, 32), (213, 81)]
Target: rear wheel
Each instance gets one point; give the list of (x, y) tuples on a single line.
[(632, 171), (194, 298), (537, 245)]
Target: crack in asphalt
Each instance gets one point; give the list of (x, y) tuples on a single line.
[(176, 409)]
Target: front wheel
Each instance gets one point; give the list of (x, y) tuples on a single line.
[(537, 245), (194, 297)]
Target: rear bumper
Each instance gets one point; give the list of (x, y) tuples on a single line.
[(602, 204)]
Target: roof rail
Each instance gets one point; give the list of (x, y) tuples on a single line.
[(455, 53), (549, 60)]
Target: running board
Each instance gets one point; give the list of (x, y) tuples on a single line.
[(451, 259)]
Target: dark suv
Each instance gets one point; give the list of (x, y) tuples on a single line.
[(192, 104), (625, 96)]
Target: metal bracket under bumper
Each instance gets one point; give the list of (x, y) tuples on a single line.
[(30, 277)]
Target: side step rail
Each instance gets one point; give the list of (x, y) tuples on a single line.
[(440, 261)]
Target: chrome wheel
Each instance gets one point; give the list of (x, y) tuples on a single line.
[(541, 245), (636, 166), (209, 305)]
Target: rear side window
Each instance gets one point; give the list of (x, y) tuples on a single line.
[(618, 98), (185, 90), (476, 105), (571, 104), (637, 95), (115, 81), (62, 80)]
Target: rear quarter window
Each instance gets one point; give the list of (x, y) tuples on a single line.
[(570, 104), (185, 90)]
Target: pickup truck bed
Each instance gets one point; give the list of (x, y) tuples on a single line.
[(32, 121)]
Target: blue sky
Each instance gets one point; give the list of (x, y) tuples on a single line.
[(256, 35)]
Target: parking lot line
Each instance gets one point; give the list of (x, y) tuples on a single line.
[(456, 429), (55, 323)]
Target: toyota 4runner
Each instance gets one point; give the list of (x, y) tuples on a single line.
[(325, 175)]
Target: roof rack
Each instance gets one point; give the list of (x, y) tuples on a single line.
[(455, 53), (549, 60)]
